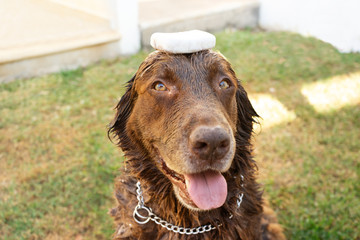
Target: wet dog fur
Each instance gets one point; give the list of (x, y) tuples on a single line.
[(170, 97)]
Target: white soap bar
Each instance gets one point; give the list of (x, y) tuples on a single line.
[(183, 42)]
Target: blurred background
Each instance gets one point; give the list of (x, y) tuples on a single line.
[(63, 66), (42, 36)]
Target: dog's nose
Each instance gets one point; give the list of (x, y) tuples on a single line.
[(209, 143)]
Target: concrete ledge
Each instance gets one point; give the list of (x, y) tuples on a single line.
[(56, 62), (42, 37), (237, 15), (52, 47)]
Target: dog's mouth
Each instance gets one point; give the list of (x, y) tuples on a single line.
[(201, 191)]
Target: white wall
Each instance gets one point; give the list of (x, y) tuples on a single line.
[(333, 21), (125, 19)]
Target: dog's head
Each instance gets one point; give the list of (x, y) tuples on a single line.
[(189, 114)]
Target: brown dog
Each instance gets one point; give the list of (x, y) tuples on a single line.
[(184, 125)]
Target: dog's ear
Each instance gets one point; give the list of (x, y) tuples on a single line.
[(246, 114), (117, 127)]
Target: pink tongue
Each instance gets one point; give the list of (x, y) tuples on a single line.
[(207, 190)]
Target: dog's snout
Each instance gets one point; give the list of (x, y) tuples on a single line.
[(209, 143)]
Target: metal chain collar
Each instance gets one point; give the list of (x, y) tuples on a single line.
[(140, 219)]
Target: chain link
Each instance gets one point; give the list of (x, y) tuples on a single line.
[(141, 219)]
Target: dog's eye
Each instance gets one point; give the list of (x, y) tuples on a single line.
[(159, 86), (224, 84)]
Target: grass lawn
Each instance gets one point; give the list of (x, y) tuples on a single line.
[(57, 165)]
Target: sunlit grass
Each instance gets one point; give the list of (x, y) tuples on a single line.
[(334, 93), (271, 110), (57, 165)]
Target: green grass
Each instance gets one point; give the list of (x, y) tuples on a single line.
[(57, 166)]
